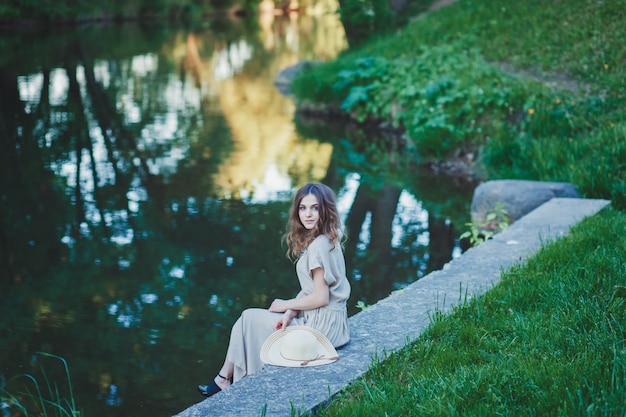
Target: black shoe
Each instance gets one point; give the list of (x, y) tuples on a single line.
[(209, 390)]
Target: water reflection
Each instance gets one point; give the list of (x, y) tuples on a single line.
[(146, 174)]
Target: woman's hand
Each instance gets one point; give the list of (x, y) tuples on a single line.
[(279, 306), (284, 320)]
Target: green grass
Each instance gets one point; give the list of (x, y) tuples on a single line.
[(538, 88), (549, 339), (25, 393)]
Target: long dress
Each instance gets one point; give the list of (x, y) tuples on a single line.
[(255, 325)]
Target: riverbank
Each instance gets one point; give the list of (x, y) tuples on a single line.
[(547, 340), (392, 324), (531, 90), (538, 90)]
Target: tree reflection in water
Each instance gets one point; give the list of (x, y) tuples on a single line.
[(146, 177)]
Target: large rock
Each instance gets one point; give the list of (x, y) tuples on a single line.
[(285, 77), (517, 197)]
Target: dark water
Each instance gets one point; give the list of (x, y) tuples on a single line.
[(146, 174)]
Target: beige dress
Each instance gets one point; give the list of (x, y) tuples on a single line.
[(255, 325)]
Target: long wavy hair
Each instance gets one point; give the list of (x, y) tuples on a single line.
[(298, 237)]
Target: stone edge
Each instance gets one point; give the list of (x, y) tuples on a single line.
[(397, 319)]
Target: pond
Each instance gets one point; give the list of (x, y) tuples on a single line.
[(146, 174)]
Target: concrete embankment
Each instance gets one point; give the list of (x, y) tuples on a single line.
[(400, 318)]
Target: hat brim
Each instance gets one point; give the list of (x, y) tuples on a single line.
[(270, 352)]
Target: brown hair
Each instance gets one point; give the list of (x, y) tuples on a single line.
[(298, 237)]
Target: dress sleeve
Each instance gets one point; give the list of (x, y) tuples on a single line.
[(320, 256)]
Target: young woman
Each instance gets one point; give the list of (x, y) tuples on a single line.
[(314, 238)]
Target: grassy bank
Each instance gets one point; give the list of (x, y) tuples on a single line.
[(549, 339), (534, 90), (531, 90)]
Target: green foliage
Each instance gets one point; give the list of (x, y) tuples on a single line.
[(49, 399), (364, 20), (593, 160), (495, 221), (361, 305), (537, 88), (549, 339), (441, 98)]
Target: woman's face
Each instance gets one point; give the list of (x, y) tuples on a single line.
[(309, 211)]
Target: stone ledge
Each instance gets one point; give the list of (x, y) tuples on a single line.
[(518, 197), (400, 318)]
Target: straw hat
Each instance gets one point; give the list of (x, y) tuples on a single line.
[(298, 346)]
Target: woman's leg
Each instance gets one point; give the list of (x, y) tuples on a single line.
[(246, 339), (243, 356), (224, 377), (222, 380)]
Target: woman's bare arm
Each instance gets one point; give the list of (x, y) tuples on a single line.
[(319, 297)]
